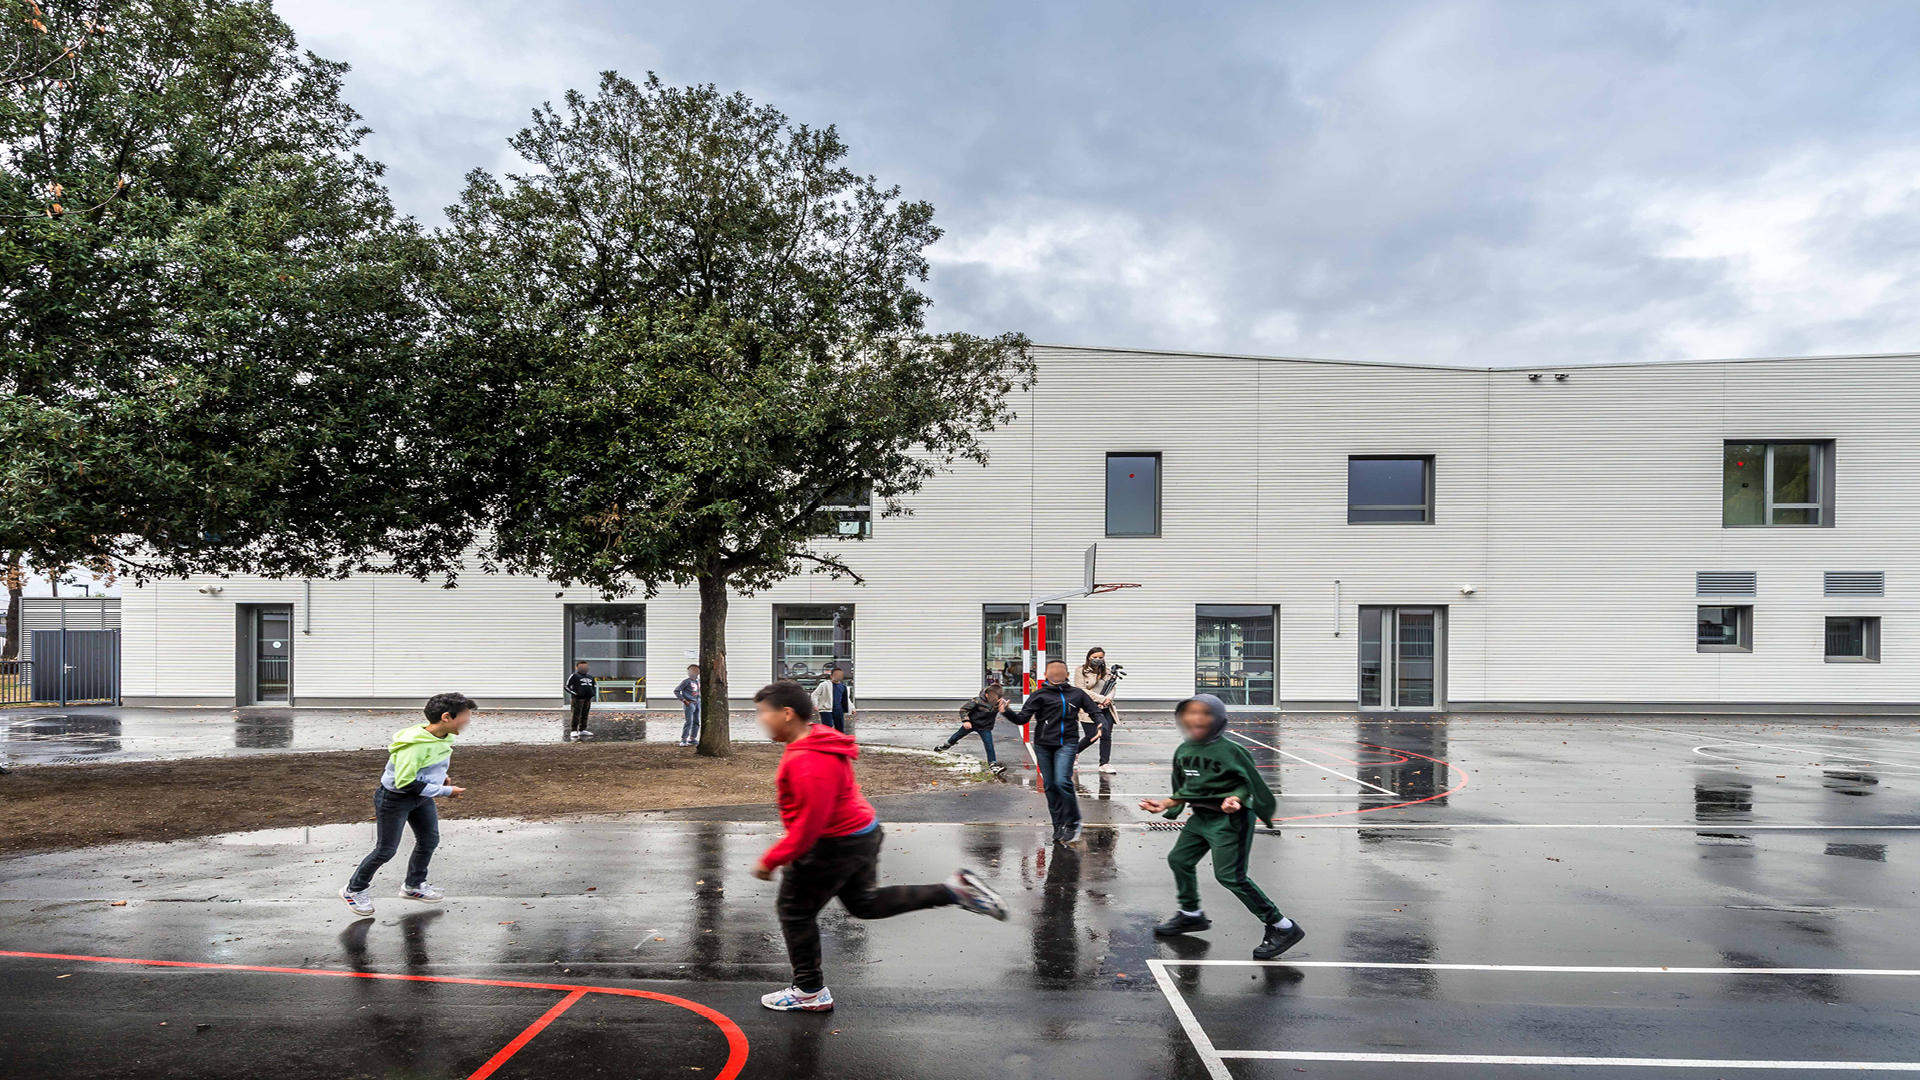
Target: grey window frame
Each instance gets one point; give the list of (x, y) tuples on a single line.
[(1428, 467), (1271, 612), (1106, 487), (859, 514), (1821, 475), (1743, 630), (840, 616), (1869, 639), (609, 683)]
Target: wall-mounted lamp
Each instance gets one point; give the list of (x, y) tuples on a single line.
[(211, 590), (1467, 589), (1560, 376), (1533, 376)]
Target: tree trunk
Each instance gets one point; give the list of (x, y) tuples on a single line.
[(15, 579), (716, 736)]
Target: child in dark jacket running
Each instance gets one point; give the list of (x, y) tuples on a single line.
[(977, 718), (1220, 781), (832, 846)]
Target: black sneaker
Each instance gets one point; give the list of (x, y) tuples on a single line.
[(1278, 941), (942, 748), (1182, 923)]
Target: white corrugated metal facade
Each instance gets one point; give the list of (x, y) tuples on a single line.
[(1578, 509)]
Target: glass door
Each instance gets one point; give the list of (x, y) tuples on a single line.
[(1402, 657), (272, 654)]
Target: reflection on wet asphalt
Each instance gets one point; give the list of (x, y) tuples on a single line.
[(1650, 844)]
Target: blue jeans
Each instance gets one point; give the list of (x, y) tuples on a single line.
[(1056, 771), (986, 738), (690, 728), (392, 813)]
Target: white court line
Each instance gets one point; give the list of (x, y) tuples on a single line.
[(1550, 969), (1203, 1046), (1317, 765), (1797, 748), (1614, 1062), (1215, 1059)]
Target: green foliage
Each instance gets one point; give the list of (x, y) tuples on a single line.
[(688, 327), (205, 311)]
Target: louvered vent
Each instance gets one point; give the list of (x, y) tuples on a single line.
[(1856, 583), (1726, 583)]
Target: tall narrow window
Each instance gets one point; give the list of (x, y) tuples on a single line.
[(1233, 653), (1002, 652), (1133, 494), (808, 639), (1776, 483), (612, 639), (1853, 639), (1389, 489)]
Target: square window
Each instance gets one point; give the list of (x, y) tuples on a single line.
[(612, 639), (1133, 494), (810, 639), (1004, 640), (1776, 483), (1724, 628), (1383, 490), (852, 513), (1853, 639)]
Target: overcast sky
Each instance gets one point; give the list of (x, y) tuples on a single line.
[(1473, 183)]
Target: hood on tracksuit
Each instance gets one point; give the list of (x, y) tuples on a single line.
[(417, 762), (817, 793), (1215, 706)]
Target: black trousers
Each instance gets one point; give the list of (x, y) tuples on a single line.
[(847, 867), (1101, 729), (393, 813), (581, 706)]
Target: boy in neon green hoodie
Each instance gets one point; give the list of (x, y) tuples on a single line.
[(416, 775), (1223, 785)]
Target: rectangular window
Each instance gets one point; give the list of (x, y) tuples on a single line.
[(1853, 639), (1724, 628), (1004, 660), (1389, 490), (1133, 494), (1776, 483), (852, 513), (1233, 653), (612, 639), (809, 638)]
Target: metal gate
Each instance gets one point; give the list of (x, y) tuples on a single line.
[(72, 667)]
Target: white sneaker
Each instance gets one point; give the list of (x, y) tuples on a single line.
[(975, 895), (1108, 769), (585, 734), (425, 893), (358, 902), (792, 999)]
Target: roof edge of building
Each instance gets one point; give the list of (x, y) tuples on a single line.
[(1473, 369)]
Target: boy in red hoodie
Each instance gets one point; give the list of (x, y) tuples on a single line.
[(832, 846)]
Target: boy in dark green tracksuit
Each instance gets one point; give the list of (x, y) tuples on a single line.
[(1219, 780)]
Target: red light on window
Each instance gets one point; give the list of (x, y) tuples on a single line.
[(1129, 476), (1739, 464)]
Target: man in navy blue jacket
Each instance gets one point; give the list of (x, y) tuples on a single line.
[(1054, 710)]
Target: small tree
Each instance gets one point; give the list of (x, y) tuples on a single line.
[(690, 328), (206, 322)]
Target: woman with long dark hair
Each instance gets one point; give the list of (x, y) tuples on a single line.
[(1098, 680)]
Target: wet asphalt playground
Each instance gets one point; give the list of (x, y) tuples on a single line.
[(1511, 898)]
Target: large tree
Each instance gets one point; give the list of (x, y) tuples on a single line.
[(689, 328), (206, 322)]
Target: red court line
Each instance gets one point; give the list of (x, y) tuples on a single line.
[(736, 1039), (525, 1037), (1451, 767)]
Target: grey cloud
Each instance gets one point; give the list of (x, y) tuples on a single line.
[(1452, 182)]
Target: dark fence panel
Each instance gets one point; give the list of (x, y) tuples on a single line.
[(16, 682), (72, 667)]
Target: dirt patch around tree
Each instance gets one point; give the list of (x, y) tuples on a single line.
[(52, 809)]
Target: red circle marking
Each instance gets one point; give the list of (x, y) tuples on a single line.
[(1395, 806), (736, 1039)]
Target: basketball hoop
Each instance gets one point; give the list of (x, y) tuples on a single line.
[(1112, 586)]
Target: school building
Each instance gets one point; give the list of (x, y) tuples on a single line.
[(1698, 536)]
